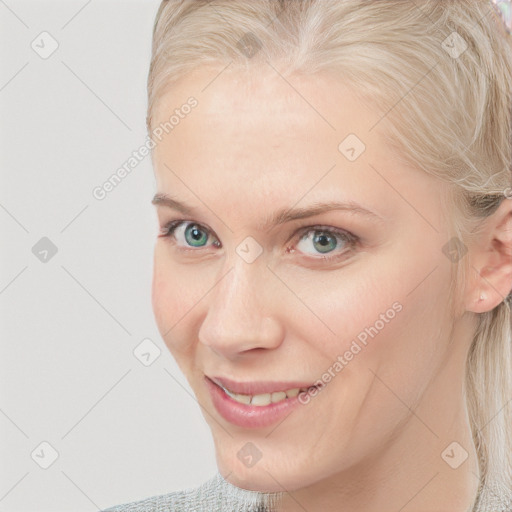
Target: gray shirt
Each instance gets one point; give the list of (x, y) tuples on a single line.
[(218, 495)]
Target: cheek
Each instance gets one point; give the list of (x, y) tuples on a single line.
[(158, 289), (170, 298), (160, 300), (380, 314), (177, 293), (353, 304)]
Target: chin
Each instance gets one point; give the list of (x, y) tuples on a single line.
[(263, 476)]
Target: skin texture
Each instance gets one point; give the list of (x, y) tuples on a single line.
[(372, 439)]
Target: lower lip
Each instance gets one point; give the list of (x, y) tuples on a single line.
[(249, 416)]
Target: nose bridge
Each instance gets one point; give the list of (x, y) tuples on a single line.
[(237, 299), (240, 315)]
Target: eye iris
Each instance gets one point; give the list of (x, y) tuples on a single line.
[(198, 237), (327, 242)]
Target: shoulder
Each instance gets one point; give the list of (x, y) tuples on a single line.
[(177, 501), (214, 495), (174, 501)]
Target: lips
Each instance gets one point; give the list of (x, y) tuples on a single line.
[(268, 404)]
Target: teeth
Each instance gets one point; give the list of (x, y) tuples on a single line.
[(292, 392), (261, 399), (266, 398), (278, 396)]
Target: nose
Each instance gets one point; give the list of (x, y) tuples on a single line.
[(243, 311)]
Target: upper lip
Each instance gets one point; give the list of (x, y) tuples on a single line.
[(258, 387)]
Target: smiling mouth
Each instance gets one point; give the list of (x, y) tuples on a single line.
[(265, 399), (257, 404)]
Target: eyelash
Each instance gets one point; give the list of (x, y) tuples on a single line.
[(168, 230)]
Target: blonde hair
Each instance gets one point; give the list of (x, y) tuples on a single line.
[(446, 113)]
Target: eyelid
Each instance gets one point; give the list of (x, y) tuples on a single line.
[(174, 224), (343, 233)]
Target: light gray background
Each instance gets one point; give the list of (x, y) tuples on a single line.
[(123, 431)]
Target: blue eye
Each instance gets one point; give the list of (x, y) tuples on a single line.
[(323, 239), (193, 234)]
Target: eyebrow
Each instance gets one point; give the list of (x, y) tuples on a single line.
[(281, 216)]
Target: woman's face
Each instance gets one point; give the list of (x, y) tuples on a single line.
[(353, 296)]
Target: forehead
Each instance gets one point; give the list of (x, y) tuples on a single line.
[(243, 114), (273, 136)]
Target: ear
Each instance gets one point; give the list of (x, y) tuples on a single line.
[(491, 262)]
